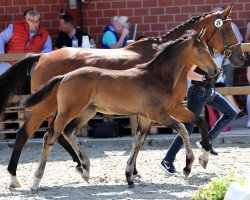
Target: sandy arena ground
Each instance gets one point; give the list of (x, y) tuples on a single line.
[(107, 179)]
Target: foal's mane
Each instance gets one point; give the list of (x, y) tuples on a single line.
[(185, 24), (169, 49)]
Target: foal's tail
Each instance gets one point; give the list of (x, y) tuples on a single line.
[(42, 93), (12, 77)]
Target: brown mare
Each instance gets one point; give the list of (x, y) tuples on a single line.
[(68, 59), (145, 91)]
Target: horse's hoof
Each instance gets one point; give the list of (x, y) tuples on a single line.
[(34, 190), (86, 178), (131, 184), (203, 163), (79, 169), (186, 172), (15, 185), (85, 175)]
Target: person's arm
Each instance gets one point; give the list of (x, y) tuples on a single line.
[(5, 37), (119, 44), (47, 45), (248, 74), (247, 34), (192, 75)]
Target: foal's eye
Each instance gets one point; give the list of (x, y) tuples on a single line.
[(201, 50)]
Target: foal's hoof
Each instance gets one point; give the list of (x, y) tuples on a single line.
[(86, 178), (79, 169), (186, 172), (203, 163), (131, 184), (85, 175), (34, 190)]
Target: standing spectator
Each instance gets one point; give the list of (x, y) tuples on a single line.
[(67, 31), (247, 40), (115, 35), (24, 37)]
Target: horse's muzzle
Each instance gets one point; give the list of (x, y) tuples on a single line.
[(235, 55)]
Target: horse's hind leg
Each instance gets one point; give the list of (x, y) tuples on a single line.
[(84, 160), (69, 133), (22, 136), (138, 140)]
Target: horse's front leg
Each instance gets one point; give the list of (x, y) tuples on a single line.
[(138, 140), (179, 112), (206, 147)]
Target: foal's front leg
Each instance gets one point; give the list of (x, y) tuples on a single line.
[(178, 111), (167, 120)]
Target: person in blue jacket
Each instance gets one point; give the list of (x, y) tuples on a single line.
[(115, 35)]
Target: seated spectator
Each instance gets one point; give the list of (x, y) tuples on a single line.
[(24, 37), (115, 35), (67, 31)]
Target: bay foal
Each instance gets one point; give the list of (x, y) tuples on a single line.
[(145, 90)]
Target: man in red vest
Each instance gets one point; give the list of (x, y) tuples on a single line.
[(24, 37)]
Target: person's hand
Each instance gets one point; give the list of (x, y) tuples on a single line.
[(209, 84), (125, 32)]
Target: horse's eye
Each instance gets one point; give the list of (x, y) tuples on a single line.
[(201, 50), (229, 31)]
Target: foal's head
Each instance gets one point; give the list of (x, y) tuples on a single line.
[(187, 50), (196, 52)]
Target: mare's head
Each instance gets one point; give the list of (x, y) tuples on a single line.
[(220, 35), (194, 51)]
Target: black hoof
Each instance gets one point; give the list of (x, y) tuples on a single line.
[(131, 184), (186, 172)]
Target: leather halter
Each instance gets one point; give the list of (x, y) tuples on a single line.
[(229, 50)]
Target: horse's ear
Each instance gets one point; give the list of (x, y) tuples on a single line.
[(227, 11), (201, 33)]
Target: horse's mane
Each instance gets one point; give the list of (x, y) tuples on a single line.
[(193, 20), (169, 49)]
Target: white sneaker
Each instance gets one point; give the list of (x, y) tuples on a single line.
[(248, 124)]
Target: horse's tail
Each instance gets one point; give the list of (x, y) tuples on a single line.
[(42, 93), (14, 75)]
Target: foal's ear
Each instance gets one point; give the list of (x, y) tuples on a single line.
[(225, 13), (200, 34)]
